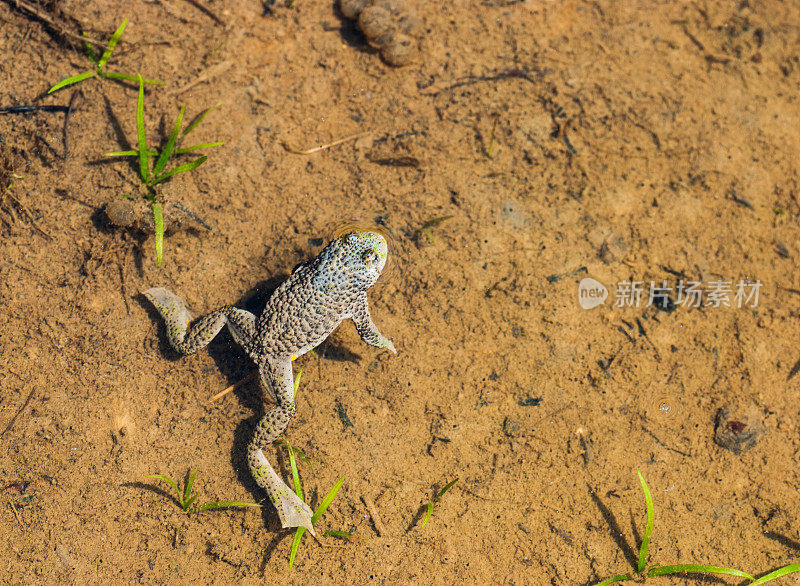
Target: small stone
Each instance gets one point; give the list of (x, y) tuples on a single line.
[(352, 8), (737, 430), (400, 51), (121, 213), (376, 23)]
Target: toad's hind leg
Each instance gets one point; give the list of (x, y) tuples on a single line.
[(188, 340), (276, 378)]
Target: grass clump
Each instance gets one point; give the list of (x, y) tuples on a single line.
[(643, 572), (100, 65), (152, 176), (187, 501)]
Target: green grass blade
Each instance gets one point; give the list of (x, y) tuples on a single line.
[(614, 579), (340, 534), (116, 75), (158, 221), (128, 154), (323, 506), (302, 456), (297, 452), (180, 169), (446, 488), (298, 488), (197, 147), (126, 77), (90, 51), (648, 531), (695, 569), (784, 571), (225, 505), (187, 490), (295, 545), (166, 153), (188, 504), (428, 515), (168, 481), (297, 382), (70, 80), (199, 119), (112, 43), (144, 164)]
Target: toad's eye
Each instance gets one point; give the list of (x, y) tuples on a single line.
[(352, 238), (371, 258)]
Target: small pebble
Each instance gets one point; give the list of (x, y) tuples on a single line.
[(401, 50), (352, 8)]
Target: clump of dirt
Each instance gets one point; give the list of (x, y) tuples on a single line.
[(389, 25)]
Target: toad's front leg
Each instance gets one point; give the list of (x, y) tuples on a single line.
[(366, 328), (276, 378)]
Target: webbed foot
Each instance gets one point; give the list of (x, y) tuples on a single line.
[(292, 511)]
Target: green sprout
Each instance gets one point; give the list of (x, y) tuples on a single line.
[(346, 535), (425, 228), (643, 572), (153, 177), (186, 500), (434, 501), (100, 65)]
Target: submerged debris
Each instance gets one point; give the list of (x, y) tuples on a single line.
[(737, 430)]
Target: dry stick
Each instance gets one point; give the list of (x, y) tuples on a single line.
[(32, 10), (324, 146), (209, 73), (208, 12), (16, 514), (380, 528), (122, 264), (21, 409), (70, 108), (224, 392)]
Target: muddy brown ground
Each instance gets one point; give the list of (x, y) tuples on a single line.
[(629, 141)]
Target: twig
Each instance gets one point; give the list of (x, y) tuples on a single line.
[(324, 146), (526, 74), (34, 11), (207, 11), (208, 74), (224, 392), (29, 109), (70, 108), (380, 528), (16, 514), (20, 410)]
